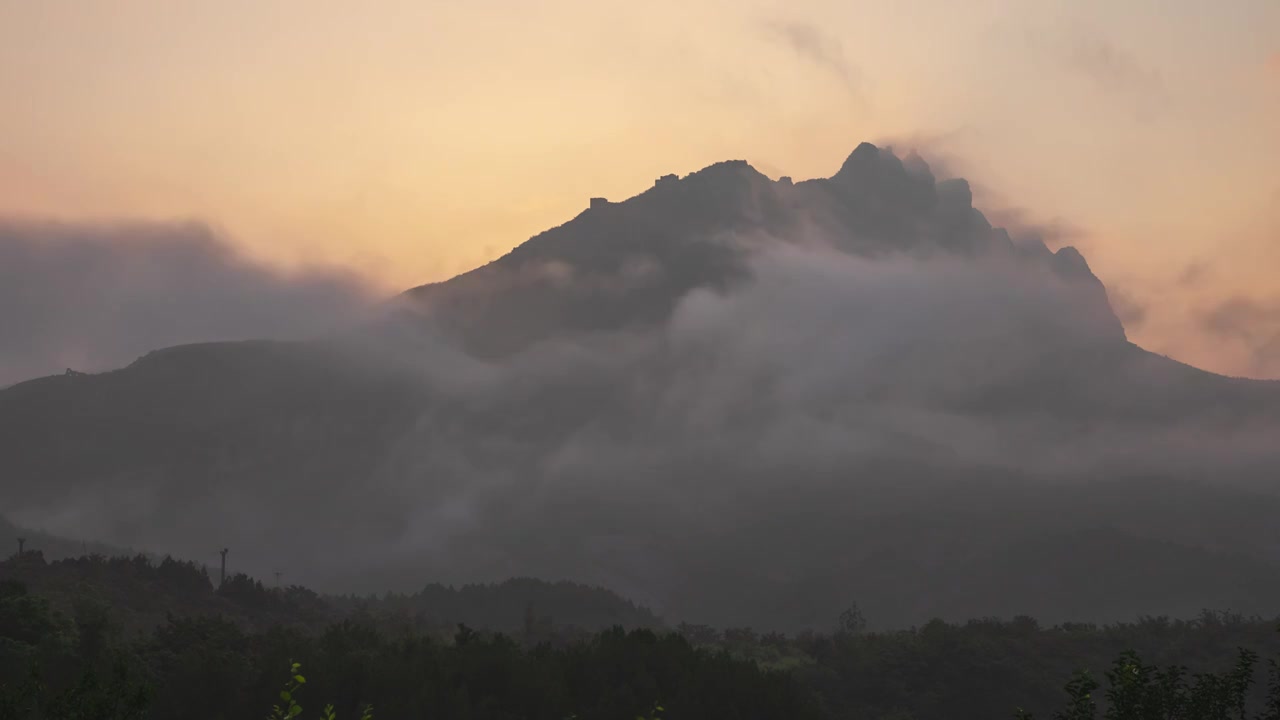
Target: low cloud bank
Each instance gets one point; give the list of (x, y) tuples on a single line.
[(94, 296)]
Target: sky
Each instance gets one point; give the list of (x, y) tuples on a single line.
[(409, 141)]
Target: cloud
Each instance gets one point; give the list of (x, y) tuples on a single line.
[(821, 377), (1253, 323), (815, 45), (1130, 311), (1116, 71), (1195, 273), (1074, 49), (94, 296), (944, 159), (1022, 224)]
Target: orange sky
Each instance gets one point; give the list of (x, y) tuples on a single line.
[(415, 139)]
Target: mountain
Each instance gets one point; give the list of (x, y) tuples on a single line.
[(627, 264), (141, 594), (734, 399), (53, 547)]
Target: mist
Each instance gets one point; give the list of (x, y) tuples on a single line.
[(95, 296), (863, 385), (726, 388)]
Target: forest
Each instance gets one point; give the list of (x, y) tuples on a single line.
[(130, 637)]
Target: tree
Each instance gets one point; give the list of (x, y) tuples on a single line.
[(852, 622)]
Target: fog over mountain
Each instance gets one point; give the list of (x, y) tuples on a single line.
[(739, 400), (94, 296)]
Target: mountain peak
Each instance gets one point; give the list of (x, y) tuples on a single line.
[(620, 264), (1068, 261), (862, 159)]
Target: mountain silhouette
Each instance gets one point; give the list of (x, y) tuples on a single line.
[(622, 264), (735, 399)]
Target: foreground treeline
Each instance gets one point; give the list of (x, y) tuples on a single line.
[(988, 668), (59, 668), (70, 655)]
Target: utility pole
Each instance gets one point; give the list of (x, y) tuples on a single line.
[(21, 543), (223, 577), (277, 573)]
